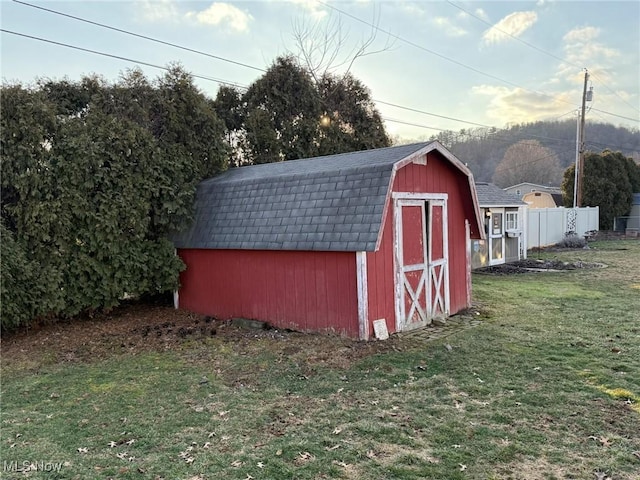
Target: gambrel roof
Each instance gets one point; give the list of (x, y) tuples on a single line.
[(330, 203)]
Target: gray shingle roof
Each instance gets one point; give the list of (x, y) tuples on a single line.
[(490, 195), (330, 203)]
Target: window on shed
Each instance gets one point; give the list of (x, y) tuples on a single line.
[(511, 220)]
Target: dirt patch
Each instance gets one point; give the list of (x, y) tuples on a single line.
[(533, 265), (143, 327)]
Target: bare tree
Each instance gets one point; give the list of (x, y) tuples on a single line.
[(528, 161), (322, 45)]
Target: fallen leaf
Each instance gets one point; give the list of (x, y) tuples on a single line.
[(329, 449), (371, 454), (222, 414), (448, 347), (305, 456), (605, 441), (279, 452)]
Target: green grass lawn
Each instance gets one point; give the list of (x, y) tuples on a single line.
[(546, 387)]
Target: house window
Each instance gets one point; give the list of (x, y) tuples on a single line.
[(511, 220)]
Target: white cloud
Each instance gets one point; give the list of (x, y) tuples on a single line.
[(513, 25), (223, 14), (583, 47), (316, 10), (581, 35), (448, 27), (517, 105), (482, 14), (158, 10)]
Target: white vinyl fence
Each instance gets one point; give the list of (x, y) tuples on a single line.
[(547, 226)]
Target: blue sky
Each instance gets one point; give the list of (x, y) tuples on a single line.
[(488, 63)]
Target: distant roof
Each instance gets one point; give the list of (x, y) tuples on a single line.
[(558, 198), (537, 185), (489, 195), (334, 202)]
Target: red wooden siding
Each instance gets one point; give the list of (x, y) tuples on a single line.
[(438, 176), (305, 291)]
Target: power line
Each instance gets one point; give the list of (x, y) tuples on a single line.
[(431, 114), (127, 32), (534, 47), (393, 120), (118, 57), (217, 57), (221, 81), (615, 115), (225, 82), (614, 92), (510, 35), (449, 59), (529, 162), (420, 47)]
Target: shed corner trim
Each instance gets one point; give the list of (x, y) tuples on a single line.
[(363, 297)]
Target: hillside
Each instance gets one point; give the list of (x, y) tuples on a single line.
[(482, 149)]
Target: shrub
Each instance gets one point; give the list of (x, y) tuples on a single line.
[(572, 240)]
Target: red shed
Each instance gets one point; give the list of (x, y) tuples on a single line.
[(342, 243)]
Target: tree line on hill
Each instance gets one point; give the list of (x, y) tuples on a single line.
[(537, 152)]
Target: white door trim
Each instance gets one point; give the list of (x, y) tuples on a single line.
[(431, 274)]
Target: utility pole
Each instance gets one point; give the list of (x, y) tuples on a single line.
[(581, 149)]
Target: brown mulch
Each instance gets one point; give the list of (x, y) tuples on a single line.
[(530, 265), (144, 327)]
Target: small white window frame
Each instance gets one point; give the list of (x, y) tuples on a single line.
[(512, 221)]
